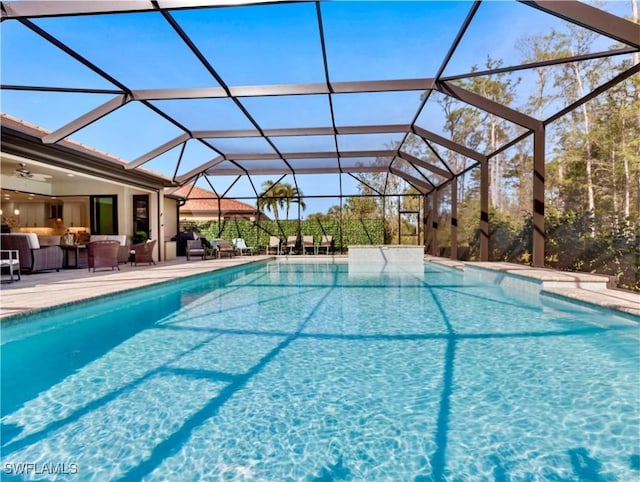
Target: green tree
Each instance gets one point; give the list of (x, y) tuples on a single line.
[(332, 214), (291, 195), (361, 208), (270, 198), (280, 195)]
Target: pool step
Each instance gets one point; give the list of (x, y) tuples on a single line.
[(528, 281)]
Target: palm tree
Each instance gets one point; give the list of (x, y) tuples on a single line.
[(280, 195), (297, 198), (291, 194), (271, 198)]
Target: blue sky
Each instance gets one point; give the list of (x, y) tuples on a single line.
[(271, 44)]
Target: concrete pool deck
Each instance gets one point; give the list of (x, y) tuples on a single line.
[(50, 289), (39, 291)]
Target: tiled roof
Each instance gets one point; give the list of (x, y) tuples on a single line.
[(200, 201)]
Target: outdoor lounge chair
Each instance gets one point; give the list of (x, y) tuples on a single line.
[(10, 258), (242, 247), (196, 248), (307, 244), (274, 243), (325, 243), (103, 254), (224, 248), (291, 243), (143, 253)]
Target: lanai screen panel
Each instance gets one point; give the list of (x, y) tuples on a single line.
[(308, 143), (188, 87), (387, 40), (230, 146), (289, 111), (376, 108), (260, 44), (128, 132), (43, 63), (361, 142), (134, 48), (425, 151), (206, 114), (328, 164)]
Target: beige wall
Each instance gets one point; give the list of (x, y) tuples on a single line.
[(72, 190), (87, 186), (35, 213), (170, 218), (169, 221)]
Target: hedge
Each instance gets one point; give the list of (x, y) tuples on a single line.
[(257, 234)]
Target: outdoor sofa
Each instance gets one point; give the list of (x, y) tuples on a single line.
[(33, 257)]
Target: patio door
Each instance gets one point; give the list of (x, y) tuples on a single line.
[(104, 214), (141, 214)]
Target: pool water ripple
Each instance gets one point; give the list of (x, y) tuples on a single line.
[(302, 373)]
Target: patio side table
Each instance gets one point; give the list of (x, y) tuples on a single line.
[(75, 249)]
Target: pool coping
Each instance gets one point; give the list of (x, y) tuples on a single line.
[(57, 290), (77, 287)]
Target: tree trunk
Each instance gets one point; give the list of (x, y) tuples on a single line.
[(614, 187), (627, 187), (587, 139), (495, 168)]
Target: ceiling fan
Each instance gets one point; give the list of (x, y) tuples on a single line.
[(23, 172)]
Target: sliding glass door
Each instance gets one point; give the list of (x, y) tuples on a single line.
[(104, 214)]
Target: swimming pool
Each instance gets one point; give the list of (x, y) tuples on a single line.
[(307, 372)]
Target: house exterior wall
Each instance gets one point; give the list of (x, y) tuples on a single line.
[(169, 227), (163, 219)]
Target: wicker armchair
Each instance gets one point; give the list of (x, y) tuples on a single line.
[(103, 254), (143, 253)]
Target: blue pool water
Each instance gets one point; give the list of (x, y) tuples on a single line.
[(305, 372)]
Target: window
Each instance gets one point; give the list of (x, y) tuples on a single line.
[(141, 213)]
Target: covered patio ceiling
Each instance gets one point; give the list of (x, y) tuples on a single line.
[(194, 89)]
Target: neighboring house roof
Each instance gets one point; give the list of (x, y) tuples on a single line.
[(204, 203)]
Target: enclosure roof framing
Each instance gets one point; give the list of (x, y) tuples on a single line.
[(226, 148)]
